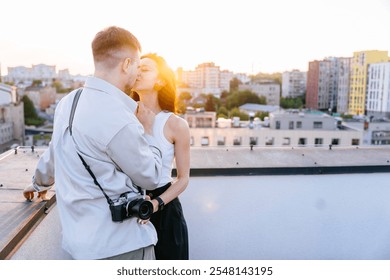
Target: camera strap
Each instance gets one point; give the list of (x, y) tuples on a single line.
[(72, 112)]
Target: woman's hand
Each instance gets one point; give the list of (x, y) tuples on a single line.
[(145, 117)]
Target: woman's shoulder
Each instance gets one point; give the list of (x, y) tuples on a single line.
[(177, 120), (177, 123)]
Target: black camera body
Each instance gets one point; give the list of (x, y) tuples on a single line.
[(124, 208)]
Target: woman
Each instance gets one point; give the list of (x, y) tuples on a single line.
[(155, 87)]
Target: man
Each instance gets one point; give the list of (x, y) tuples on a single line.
[(107, 133)]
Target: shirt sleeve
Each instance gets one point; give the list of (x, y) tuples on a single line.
[(44, 172), (137, 155)]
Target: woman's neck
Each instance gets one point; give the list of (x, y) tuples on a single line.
[(151, 101)]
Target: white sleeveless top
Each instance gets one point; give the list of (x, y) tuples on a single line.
[(167, 148)]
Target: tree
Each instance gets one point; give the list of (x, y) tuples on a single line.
[(210, 103), (234, 83), (235, 112), (261, 115), (223, 112), (239, 98), (59, 87), (276, 77), (182, 101), (36, 82), (185, 96), (30, 114), (29, 109), (291, 103), (224, 95)]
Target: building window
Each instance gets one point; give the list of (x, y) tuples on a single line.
[(318, 141), (252, 141), (277, 126), (299, 124), (269, 141), (237, 141), (317, 124), (302, 141), (335, 141), (221, 140), (291, 125), (355, 142), (203, 122), (204, 141), (286, 141)]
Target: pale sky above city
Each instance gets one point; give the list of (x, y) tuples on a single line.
[(247, 36)]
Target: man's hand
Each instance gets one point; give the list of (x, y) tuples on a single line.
[(146, 117), (29, 191)]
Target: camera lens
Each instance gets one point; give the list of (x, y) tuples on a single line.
[(140, 208), (145, 210)]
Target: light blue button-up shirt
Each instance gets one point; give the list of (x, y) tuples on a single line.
[(112, 141)]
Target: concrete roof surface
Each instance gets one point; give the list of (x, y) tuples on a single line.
[(333, 216)]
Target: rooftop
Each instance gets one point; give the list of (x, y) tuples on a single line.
[(268, 203)]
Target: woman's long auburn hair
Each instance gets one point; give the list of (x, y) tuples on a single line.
[(167, 92)]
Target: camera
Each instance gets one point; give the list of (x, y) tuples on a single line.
[(124, 208)]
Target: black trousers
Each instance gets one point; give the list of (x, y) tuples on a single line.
[(171, 229)]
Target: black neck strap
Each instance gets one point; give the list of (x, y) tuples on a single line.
[(72, 112)]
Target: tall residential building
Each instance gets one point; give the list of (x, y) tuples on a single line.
[(323, 80), (358, 78), (225, 77), (317, 87), (343, 84), (293, 83), (207, 78), (378, 90)]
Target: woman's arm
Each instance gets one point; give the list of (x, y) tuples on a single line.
[(179, 133)]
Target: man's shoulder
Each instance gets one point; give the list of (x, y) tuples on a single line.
[(68, 97)]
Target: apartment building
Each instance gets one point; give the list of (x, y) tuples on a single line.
[(359, 76), (323, 83), (25, 76), (293, 83), (207, 78), (269, 90), (11, 116), (313, 89), (343, 84), (200, 118), (291, 128), (378, 90), (375, 131), (41, 96), (243, 77)]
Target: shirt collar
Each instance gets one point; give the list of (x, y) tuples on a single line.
[(104, 86)]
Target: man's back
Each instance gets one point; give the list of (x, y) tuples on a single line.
[(100, 118)]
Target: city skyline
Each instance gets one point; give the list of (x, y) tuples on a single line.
[(247, 36)]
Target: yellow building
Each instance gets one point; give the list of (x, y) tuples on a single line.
[(358, 78)]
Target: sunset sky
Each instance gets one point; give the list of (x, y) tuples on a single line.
[(238, 35)]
